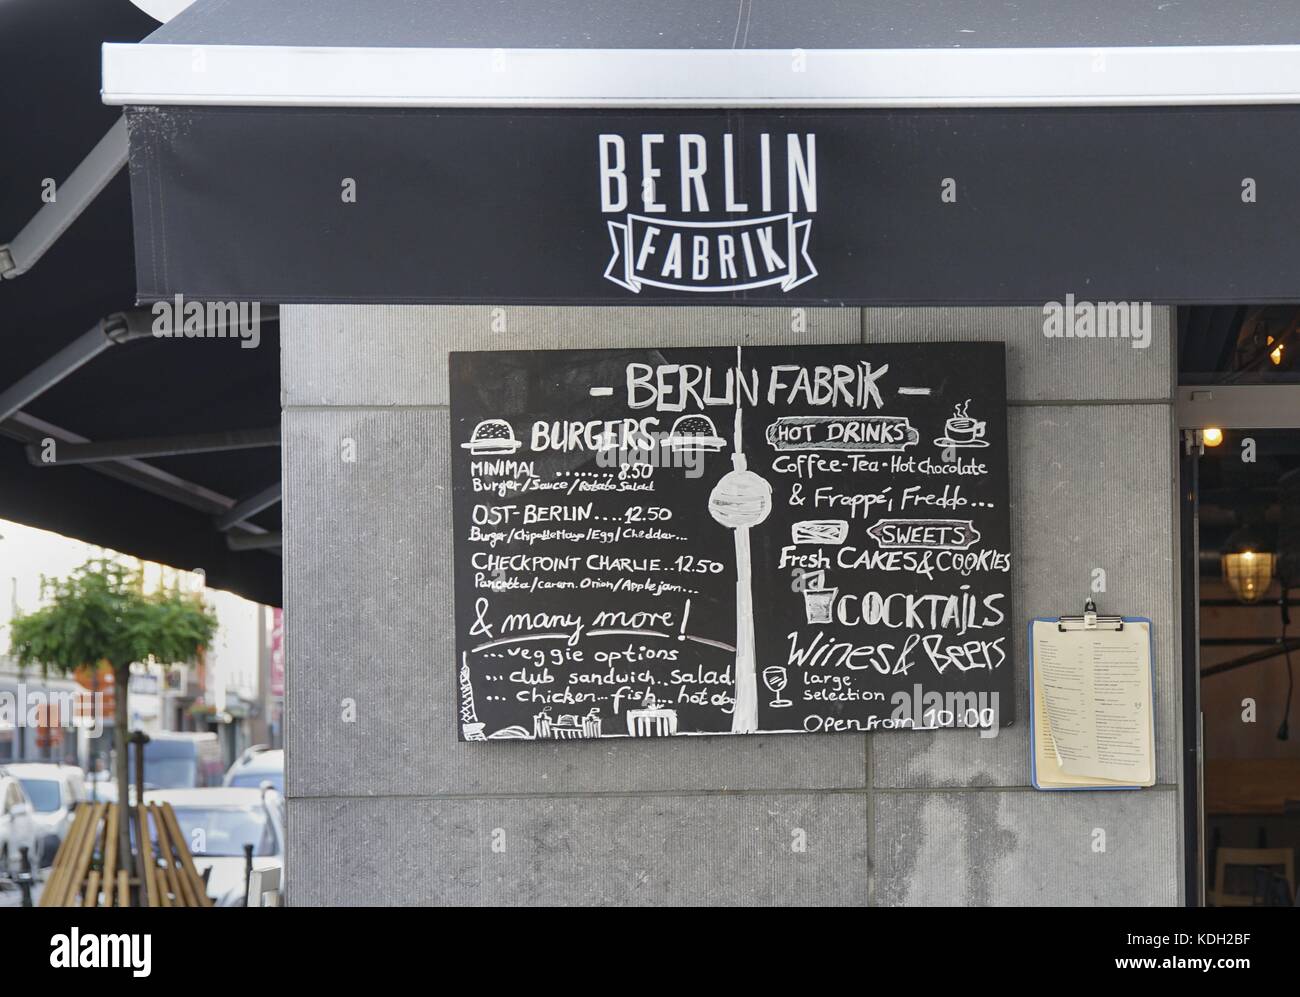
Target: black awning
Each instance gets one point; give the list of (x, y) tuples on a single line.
[(740, 151), (499, 207), (68, 375)]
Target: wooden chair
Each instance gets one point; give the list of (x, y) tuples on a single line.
[(1280, 860)]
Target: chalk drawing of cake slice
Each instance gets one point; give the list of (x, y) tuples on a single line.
[(820, 531), (492, 436), (695, 434)]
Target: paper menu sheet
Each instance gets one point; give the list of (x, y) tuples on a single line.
[(1093, 695)]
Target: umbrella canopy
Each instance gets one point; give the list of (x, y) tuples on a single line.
[(86, 387)]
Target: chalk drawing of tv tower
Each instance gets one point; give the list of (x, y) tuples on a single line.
[(739, 501)]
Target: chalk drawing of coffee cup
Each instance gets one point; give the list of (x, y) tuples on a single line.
[(492, 436), (962, 430), (818, 600)]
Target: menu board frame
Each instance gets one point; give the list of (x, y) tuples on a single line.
[(714, 540)]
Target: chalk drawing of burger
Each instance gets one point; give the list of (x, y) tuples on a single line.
[(695, 434), (492, 436)]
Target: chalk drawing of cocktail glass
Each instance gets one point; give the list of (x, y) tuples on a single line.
[(818, 600), (775, 679)]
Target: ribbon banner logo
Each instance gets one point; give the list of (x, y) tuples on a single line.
[(708, 213), (710, 256)]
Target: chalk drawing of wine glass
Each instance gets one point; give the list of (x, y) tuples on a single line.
[(775, 679)]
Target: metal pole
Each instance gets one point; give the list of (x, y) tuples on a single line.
[(25, 876), (257, 541), (164, 446), (1250, 642), (139, 738), (107, 332), (1250, 659), (248, 870), (70, 199), (250, 506)]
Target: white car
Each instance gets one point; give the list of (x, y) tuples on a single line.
[(53, 791), (217, 823), (258, 766), (17, 829)]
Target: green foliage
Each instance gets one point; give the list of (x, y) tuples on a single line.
[(99, 612)]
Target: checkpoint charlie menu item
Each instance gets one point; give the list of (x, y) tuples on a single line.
[(659, 543)]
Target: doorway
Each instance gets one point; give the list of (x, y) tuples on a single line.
[(1239, 419)]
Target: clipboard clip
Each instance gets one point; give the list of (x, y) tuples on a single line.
[(1090, 620)]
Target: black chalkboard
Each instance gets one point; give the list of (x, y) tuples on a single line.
[(707, 541)]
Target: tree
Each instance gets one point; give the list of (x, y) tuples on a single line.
[(101, 613)]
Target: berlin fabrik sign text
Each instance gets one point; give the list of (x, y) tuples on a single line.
[(661, 197)]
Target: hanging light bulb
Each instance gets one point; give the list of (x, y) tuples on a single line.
[(1276, 353), (1247, 566)]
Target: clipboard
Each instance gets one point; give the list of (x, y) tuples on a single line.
[(1090, 622)]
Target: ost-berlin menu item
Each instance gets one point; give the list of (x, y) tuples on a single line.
[(673, 542)]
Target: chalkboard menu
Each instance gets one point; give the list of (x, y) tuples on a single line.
[(659, 543)]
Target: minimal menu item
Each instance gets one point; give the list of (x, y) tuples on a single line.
[(661, 543)]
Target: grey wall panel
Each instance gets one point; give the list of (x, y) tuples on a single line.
[(392, 809), (368, 567), (616, 850), (1040, 368), (397, 354), (993, 848)]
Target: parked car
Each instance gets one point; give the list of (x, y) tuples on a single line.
[(216, 824), (17, 829), (53, 790), (172, 760), (179, 760), (255, 767)]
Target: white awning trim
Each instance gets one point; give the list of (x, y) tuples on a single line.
[(251, 75)]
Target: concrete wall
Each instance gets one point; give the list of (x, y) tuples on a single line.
[(389, 808)]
